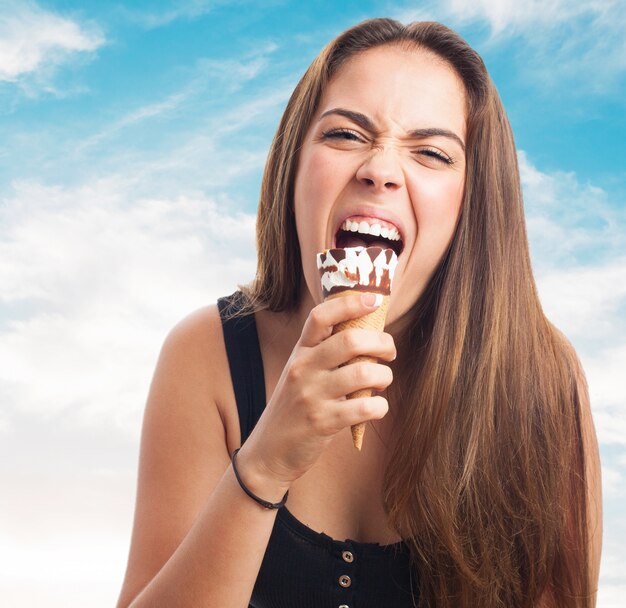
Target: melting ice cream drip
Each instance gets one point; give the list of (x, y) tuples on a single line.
[(369, 269)]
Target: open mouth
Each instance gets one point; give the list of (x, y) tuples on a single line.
[(369, 232)]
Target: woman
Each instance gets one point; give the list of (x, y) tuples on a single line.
[(478, 482)]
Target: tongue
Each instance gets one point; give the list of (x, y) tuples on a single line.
[(384, 244), (352, 241)]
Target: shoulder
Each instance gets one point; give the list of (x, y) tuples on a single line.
[(191, 350), (194, 340), (191, 382)]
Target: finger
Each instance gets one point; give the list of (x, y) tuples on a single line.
[(355, 411), (321, 320), (344, 346), (357, 376)]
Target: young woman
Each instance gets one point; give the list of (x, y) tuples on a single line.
[(478, 482)]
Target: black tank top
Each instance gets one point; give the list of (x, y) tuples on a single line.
[(303, 568)]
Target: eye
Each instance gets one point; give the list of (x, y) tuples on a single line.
[(342, 134), (435, 154)]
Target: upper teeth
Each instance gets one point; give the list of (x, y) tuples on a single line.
[(373, 229)]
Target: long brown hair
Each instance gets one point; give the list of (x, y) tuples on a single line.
[(486, 480)]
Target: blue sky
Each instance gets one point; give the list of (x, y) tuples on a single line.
[(132, 140)]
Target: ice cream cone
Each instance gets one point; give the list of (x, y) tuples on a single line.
[(376, 321), (348, 271)]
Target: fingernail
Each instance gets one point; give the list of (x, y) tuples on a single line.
[(372, 299)]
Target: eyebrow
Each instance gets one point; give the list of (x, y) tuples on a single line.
[(366, 123)]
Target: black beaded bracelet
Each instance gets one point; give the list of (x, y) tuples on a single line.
[(264, 503)]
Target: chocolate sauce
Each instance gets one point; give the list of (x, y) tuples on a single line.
[(378, 279)]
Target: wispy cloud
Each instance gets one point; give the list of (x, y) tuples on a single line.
[(513, 16), (91, 279), (219, 155), (588, 303), (612, 588), (170, 11), (612, 481), (578, 242), (132, 118), (207, 75), (563, 40), (232, 74), (34, 40), (569, 221)]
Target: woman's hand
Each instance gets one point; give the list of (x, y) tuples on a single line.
[(309, 405)]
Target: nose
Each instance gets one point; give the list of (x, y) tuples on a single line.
[(381, 170)]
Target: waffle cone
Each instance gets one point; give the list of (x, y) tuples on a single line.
[(374, 320)]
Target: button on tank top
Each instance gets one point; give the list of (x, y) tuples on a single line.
[(303, 568)]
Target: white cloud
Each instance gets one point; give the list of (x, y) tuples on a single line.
[(233, 73), (207, 75), (587, 301), (514, 16), (91, 279), (33, 39), (98, 278), (578, 239), (606, 379), (180, 9), (134, 117), (511, 14), (569, 221), (612, 588), (563, 40), (222, 151), (611, 596), (612, 481)]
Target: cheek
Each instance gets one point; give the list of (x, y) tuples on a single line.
[(439, 202), (312, 211), (308, 204), (436, 210), (317, 172), (314, 191)]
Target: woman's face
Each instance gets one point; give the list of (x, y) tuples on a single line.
[(385, 148)]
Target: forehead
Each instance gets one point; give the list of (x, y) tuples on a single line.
[(407, 88)]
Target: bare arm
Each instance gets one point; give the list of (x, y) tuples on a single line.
[(197, 538), (185, 485)]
